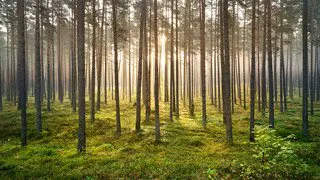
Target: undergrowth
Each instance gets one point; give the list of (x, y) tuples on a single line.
[(186, 151)]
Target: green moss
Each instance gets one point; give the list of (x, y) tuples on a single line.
[(186, 150)]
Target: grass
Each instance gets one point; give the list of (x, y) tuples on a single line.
[(186, 149)]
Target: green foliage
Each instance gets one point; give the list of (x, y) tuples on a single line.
[(211, 173), (275, 158)]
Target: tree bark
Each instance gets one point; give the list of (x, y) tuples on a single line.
[(305, 68), (116, 73), (93, 66), (203, 63), (139, 78), (22, 72), (252, 77), (81, 75), (38, 70), (156, 75), (270, 73), (225, 65)]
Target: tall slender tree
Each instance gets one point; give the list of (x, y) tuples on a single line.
[(22, 69), (270, 72), (177, 62), (264, 57), (252, 76), (1, 85), (203, 63), (73, 61), (81, 75), (116, 72), (244, 58), (139, 78), (156, 74), (100, 57), (172, 91), (38, 69), (93, 66), (305, 69), (225, 65)]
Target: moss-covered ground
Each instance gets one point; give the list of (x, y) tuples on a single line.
[(187, 151)]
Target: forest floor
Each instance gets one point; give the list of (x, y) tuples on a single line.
[(186, 151)]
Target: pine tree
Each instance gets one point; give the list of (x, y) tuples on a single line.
[(22, 70), (81, 75)]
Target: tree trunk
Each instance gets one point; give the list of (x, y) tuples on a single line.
[(275, 64), (38, 70), (263, 74), (1, 83), (116, 73), (282, 77), (49, 43), (172, 91), (81, 75), (129, 83), (60, 84), (73, 62), (100, 57), (203, 63), (252, 77), (305, 69), (139, 78), (312, 60), (244, 59), (22, 72), (270, 73), (93, 66), (156, 74)]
